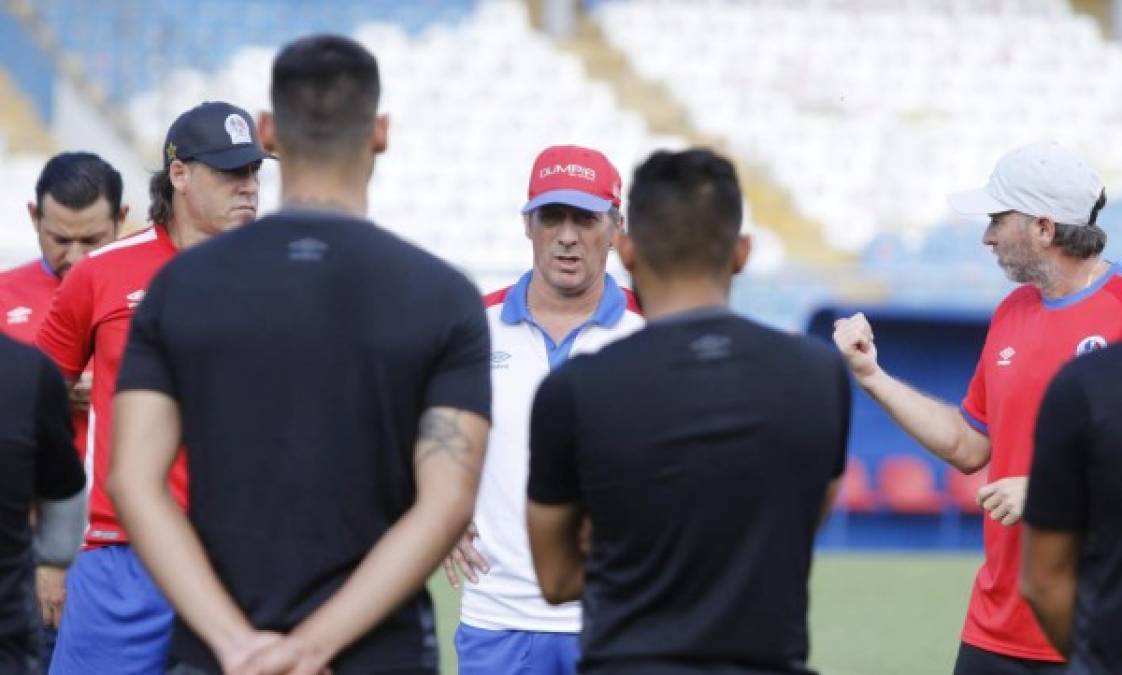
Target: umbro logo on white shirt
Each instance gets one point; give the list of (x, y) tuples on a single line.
[(499, 360), (135, 298), (19, 315), (1005, 356)]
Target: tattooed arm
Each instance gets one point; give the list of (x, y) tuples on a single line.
[(447, 461)]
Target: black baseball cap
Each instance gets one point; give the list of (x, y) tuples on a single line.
[(218, 134)]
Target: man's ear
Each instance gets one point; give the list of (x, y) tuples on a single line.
[(381, 138), (1045, 230), (625, 249), (178, 174), (122, 214), (267, 131), (741, 253), (33, 212)]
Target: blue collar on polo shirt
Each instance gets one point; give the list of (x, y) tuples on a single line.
[(1068, 300), (47, 268), (516, 309)]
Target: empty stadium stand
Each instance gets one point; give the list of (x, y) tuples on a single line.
[(868, 111), (471, 101)]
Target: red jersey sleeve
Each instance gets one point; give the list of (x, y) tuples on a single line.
[(974, 404), (66, 333)]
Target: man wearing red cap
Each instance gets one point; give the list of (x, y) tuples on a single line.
[(567, 304)]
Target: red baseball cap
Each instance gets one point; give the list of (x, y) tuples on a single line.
[(574, 176)]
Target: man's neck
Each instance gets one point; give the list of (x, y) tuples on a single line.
[(559, 313), (325, 190), (543, 300), (663, 298), (1071, 275), (184, 233)]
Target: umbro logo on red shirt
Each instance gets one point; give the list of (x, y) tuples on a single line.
[(1005, 356), (19, 315), (135, 298)]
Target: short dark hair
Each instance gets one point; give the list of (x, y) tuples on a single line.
[(325, 94), (684, 211), (77, 179)]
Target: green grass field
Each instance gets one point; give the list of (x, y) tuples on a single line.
[(870, 614)]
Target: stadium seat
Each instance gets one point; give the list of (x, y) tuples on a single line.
[(962, 489), (856, 494), (907, 485)]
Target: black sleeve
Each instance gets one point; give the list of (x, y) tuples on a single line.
[(461, 377), (58, 472), (846, 403), (1057, 489), (553, 424), (145, 365)]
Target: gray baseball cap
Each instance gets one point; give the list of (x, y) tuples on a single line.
[(1044, 180)]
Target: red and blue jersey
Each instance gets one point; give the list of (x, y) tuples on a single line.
[(1030, 338), (90, 318), (25, 299)]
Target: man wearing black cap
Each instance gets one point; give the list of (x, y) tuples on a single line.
[(115, 620)]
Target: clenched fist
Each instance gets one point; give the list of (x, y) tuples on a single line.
[(854, 338)]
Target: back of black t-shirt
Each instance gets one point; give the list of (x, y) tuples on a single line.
[(303, 349), (37, 461), (1076, 487), (701, 447)]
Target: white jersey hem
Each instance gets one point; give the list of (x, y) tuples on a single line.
[(528, 626)]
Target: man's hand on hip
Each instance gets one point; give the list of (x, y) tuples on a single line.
[(466, 560)]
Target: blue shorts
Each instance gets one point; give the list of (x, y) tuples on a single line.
[(115, 619), (516, 652), (47, 638)]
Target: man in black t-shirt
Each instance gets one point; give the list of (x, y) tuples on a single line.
[(330, 383), (38, 466), (704, 450), (1072, 567)]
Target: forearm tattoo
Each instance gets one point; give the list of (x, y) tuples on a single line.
[(440, 432)]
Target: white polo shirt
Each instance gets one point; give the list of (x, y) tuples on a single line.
[(508, 596)]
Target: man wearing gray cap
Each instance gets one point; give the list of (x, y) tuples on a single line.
[(1042, 201), (114, 619)]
